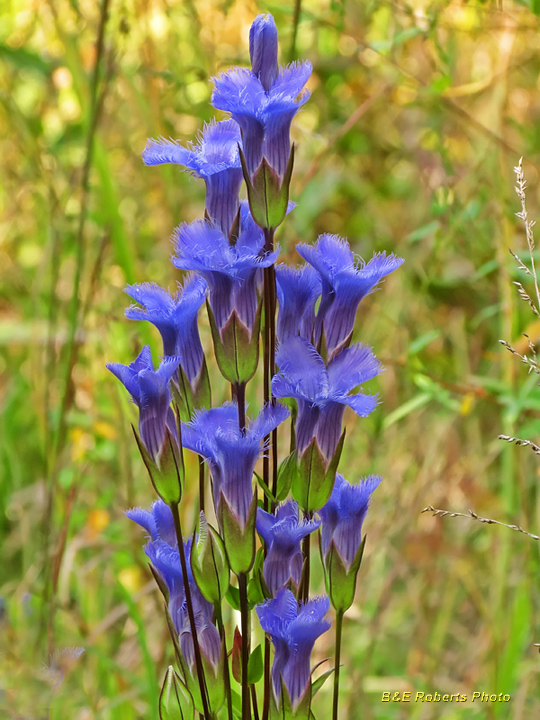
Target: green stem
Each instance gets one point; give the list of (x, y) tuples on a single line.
[(191, 614), (339, 628), (221, 628), (244, 611)]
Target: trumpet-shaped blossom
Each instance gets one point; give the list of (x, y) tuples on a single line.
[(231, 271), (232, 453), (149, 390), (214, 158), (162, 551), (297, 292), (323, 392), (344, 284), (293, 631), (343, 516), (283, 533), (264, 100), (175, 316)]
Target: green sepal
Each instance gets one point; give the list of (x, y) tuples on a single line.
[(319, 682), (188, 398), (175, 701), (286, 711), (286, 473), (312, 485), (214, 678), (160, 583), (167, 472), (209, 562), (266, 490), (340, 582), (268, 196), (236, 349), (239, 541)]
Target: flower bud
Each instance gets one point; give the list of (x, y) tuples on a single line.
[(209, 563), (263, 49)]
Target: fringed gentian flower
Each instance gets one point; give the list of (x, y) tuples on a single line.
[(283, 534), (231, 453), (344, 284), (175, 316), (323, 392), (162, 550), (343, 516), (297, 292), (149, 390), (215, 159), (264, 100), (293, 631), (231, 271)]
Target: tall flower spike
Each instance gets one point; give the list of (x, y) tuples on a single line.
[(215, 159), (297, 292), (293, 631), (149, 390), (175, 316), (344, 284), (323, 392), (283, 534), (264, 100)]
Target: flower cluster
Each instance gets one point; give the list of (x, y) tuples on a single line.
[(306, 317)]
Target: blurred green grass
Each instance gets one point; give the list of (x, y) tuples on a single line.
[(419, 111)]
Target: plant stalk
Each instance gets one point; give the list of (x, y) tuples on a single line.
[(244, 611), (223, 636), (339, 629), (189, 603)]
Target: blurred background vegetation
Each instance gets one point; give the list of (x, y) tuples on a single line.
[(419, 112)]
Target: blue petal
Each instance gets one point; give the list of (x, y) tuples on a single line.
[(297, 291), (352, 367), (302, 371), (145, 519)]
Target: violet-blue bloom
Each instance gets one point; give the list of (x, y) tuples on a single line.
[(149, 390), (343, 516), (283, 533), (323, 392), (162, 550), (233, 272), (344, 283), (175, 316), (264, 100), (293, 631), (231, 453), (297, 290), (214, 158)]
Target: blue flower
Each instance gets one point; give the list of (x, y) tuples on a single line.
[(233, 272), (215, 159), (162, 551), (343, 516), (293, 631), (323, 392), (231, 453), (344, 284), (297, 292), (175, 316), (263, 101), (149, 390), (283, 534)]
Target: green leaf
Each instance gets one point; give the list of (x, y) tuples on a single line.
[(255, 666), (319, 682), (233, 597)]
